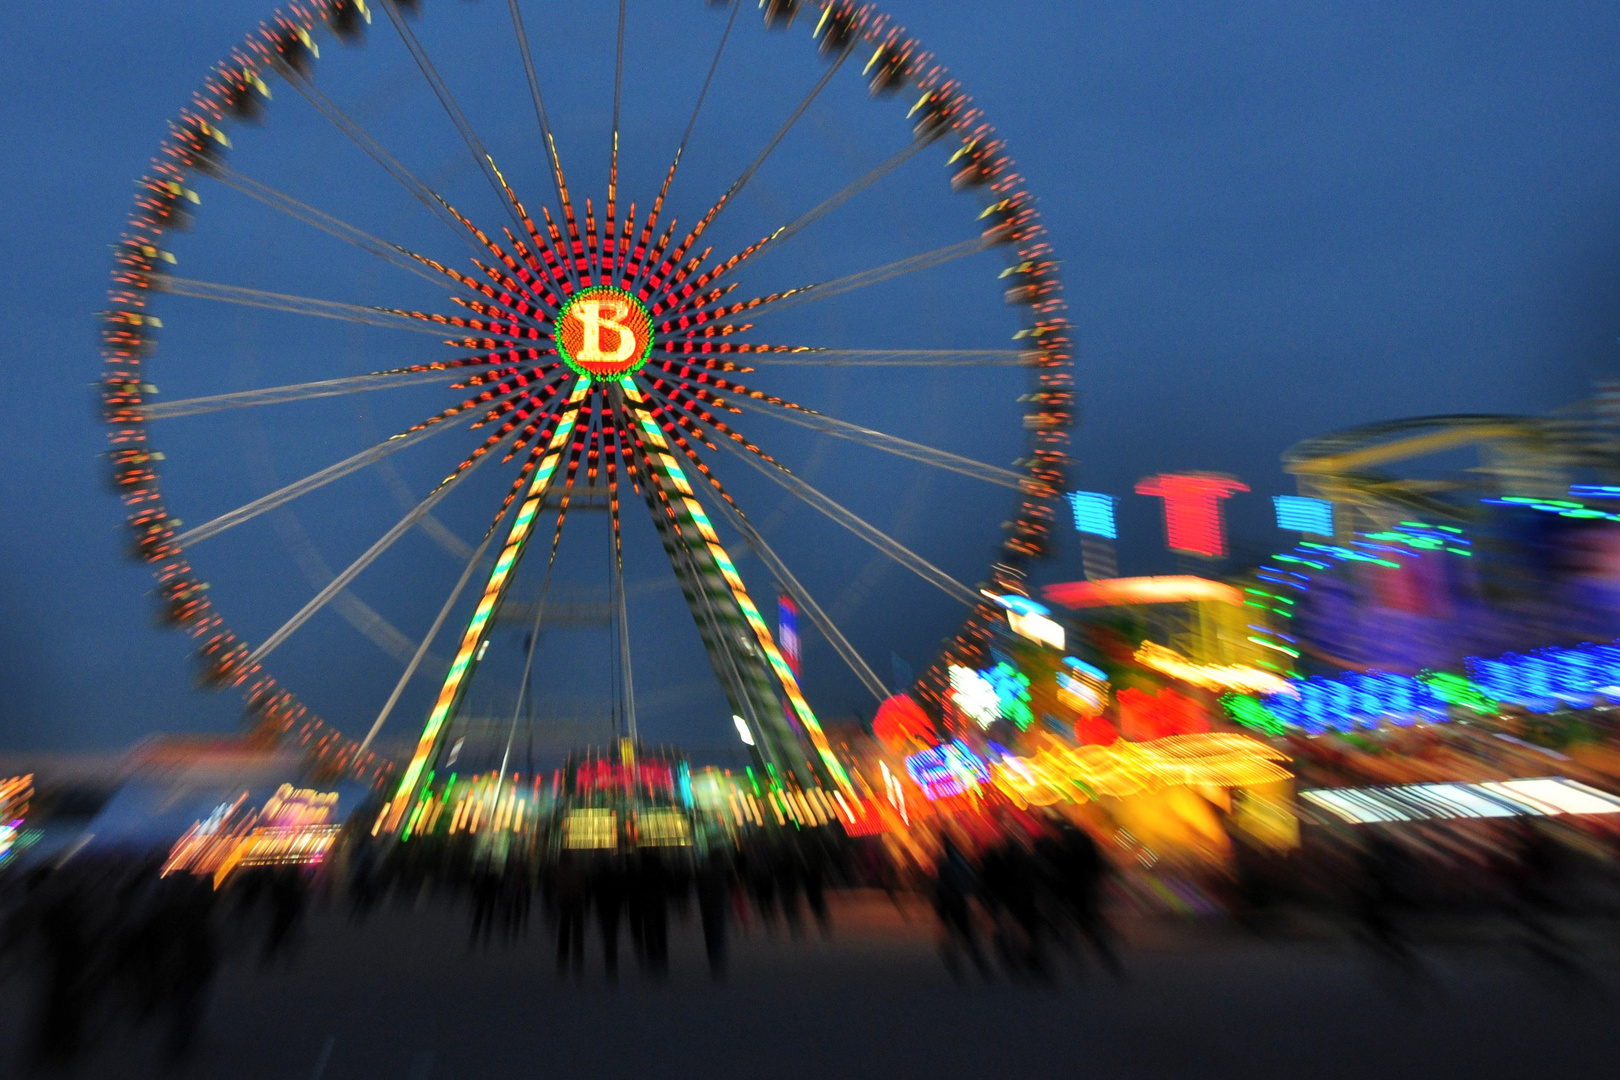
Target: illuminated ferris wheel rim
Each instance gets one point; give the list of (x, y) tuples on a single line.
[(537, 328)]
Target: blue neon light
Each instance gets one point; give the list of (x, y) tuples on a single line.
[(1080, 665), (1296, 513), (944, 771), (1540, 681), (1093, 513)]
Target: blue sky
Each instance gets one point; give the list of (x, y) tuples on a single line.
[(1275, 219)]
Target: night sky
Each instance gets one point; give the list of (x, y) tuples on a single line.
[(1275, 220)]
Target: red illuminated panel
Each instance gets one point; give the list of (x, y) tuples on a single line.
[(899, 720), (1192, 509), (1144, 717), (1116, 592)]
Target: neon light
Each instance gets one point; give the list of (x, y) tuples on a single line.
[(1192, 509), (592, 318), (1238, 677), (787, 629), (1296, 513), (1012, 693), (1117, 592), (762, 633), (493, 590), (974, 695), (1249, 713), (1212, 759), (1093, 513), (1085, 668), (1543, 796), (948, 770)]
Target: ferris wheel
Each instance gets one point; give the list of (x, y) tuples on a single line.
[(590, 350)]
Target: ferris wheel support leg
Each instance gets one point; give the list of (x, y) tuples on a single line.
[(705, 546), (500, 578)]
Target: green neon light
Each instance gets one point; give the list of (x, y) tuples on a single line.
[(1274, 645), (1458, 690), (515, 540), (1248, 712)]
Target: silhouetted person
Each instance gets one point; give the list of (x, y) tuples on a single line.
[(1011, 884), (955, 882), (569, 885), (58, 919), (193, 959), (1378, 892), (288, 901), (608, 888), (652, 891), (714, 885), (1079, 872), (815, 885)]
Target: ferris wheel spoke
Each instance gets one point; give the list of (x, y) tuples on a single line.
[(711, 609), (813, 357), (297, 488), (816, 213), (786, 579), (781, 133), (354, 569), (298, 305), (859, 526), (673, 330), (278, 395), (833, 202), (613, 165), (427, 641), (390, 164), (877, 440), (522, 36), (401, 257), (680, 149), (486, 163)]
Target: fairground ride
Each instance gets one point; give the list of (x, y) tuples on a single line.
[(1526, 456), (601, 349)]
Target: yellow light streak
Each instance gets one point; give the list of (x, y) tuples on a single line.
[(1239, 677)]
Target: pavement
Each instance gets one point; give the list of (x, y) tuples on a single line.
[(403, 997)]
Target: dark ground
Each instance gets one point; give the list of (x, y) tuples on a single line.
[(402, 998)]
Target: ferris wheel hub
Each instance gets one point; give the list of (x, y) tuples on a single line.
[(604, 333)]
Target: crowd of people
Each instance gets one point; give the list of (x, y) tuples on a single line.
[(114, 947), (610, 895)]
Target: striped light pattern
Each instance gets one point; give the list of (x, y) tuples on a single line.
[(1093, 513), (1296, 513), (498, 579), (676, 478)]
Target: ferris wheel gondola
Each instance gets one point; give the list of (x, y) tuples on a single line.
[(603, 353)]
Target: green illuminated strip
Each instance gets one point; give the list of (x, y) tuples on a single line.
[(515, 541), (745, 603), (1274, 645)]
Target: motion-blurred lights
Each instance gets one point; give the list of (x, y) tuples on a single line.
[(1546, 796), (974, 695), (948, 770), (1239, 677), (742, 729), (1093, 513), (1029, 619), (1296, 513)]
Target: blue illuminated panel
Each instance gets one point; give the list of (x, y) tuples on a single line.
[(1093, 513), (1296, 513)]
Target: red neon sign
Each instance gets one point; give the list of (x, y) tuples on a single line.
[(604, 332), (1192, 509)]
